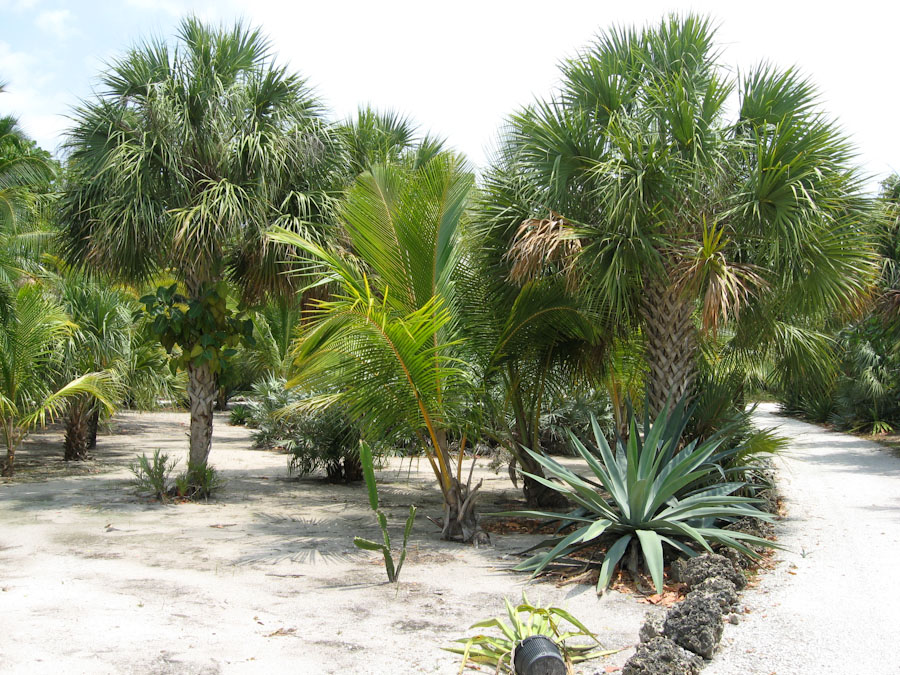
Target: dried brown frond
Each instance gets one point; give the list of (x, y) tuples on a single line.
[(544, 246)]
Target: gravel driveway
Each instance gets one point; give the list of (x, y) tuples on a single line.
[(832, 604)]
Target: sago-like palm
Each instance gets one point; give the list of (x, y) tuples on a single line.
[(182, 162), (681, 214), (30, 339)]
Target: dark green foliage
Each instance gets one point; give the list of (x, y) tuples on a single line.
[(204, 328), (240, 414), (368, 470), (656, 489)]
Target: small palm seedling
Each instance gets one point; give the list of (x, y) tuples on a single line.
[(527, 620), (368, 466), (662, 492)]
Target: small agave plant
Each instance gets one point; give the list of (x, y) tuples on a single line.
[(526, 620), (653, 490)]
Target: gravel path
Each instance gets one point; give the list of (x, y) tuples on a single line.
[(832, 604)]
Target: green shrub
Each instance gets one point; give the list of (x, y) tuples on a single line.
[(662, 492), (153, 476), (526, 620), (240, 413), (200, 481)]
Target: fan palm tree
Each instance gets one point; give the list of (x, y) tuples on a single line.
[(179, 166), (677, 213), (388, 338), (26, 173), (30, 338)]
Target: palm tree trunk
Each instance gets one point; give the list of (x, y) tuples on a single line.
[(671, 344), (93, 426), (77, 436), (202, 390)]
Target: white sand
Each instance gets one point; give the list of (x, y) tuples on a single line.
[(263, 579)]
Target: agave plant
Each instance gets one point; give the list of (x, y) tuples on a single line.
[(653, 490), (526, 620)]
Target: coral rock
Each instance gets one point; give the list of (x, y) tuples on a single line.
[(696, 625), (709, 565), (661, 656)]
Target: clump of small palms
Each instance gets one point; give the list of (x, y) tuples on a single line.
[(526, 620), (200, 481), (30, 337), (655, 489)]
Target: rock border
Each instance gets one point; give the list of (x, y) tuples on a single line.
[(679, 641)]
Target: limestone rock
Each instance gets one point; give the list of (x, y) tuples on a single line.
[(719, 589), (695, 624), (653, 626), (661, 656), (711, 565)]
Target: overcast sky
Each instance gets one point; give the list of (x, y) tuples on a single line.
[(457, 67)]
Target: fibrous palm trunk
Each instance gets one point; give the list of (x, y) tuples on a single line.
[(460, 519), (671, 344), (202, 390), (78, 429), (93, 425)]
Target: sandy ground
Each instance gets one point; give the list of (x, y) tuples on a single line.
[(832, 604), (94, 579)]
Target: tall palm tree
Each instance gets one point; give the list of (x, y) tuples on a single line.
[(179, 166), (30, 339), (685, 218), (26, 173), (387, 339)]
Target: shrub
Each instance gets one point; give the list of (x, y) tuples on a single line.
[(240, 413), (153, 476), (200, 481), (662, 492)]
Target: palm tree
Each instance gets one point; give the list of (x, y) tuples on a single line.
[(180, 165), (373, 138), (26, 173), (387, 341), (30, 338), (678, 215), (100, 343)]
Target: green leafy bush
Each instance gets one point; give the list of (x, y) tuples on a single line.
[(526, 620), (652, 491)]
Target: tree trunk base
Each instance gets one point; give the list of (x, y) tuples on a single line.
[(460, 519)]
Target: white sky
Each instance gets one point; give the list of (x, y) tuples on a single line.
[(458, 68)]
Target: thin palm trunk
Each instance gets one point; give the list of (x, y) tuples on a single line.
[(78, 429), (202, 390), (671, 344), (93, 426)]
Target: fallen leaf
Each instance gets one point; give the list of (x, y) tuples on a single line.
[(282, 631)]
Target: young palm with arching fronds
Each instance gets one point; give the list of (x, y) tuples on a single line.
[(179, 166), (30, 339), (387, 339), (680, 213)]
